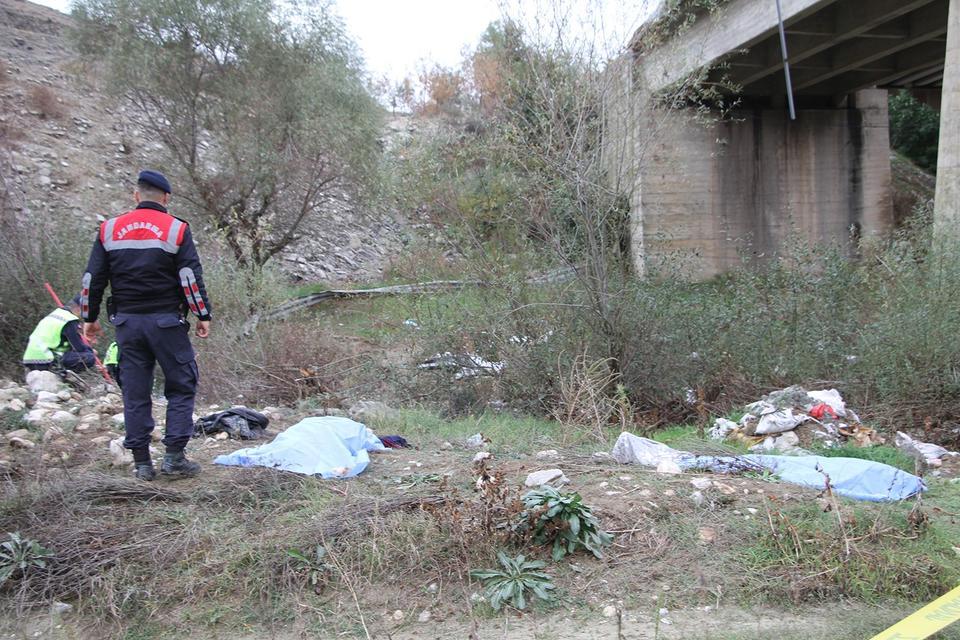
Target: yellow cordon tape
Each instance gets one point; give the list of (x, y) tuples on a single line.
[(937, 615)]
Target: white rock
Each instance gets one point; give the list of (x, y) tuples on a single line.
[(65, 395), (119, 457), (446, 446), (546, 476), (547, 454), (16, 405), (697, 497), (46, 396), (52, 433), (398, 615), (36, 417), (117, 420), (60, 608), (669, 467), (702, 483), (101, 440), (22, 443), (481, 455), (20, 433), (63, 418), (39, 381), (609, 611), (424, 616)]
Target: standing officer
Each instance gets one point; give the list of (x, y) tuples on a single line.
[(148, 258)]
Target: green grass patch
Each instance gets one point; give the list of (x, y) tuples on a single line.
[(507, 433), (880, 553), (12, 420)]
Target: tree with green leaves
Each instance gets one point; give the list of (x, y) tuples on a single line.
[(261, 107)]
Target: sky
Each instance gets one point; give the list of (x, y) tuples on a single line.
[(398, 37)]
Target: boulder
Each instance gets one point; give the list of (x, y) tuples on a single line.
[(117, 420), (66, 396), (15, 405), (39, 381), (51, 433)]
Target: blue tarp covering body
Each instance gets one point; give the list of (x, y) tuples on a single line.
[(850, 477), (328, 446)]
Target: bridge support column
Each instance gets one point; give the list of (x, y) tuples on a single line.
[(947, 204), (710, 196)]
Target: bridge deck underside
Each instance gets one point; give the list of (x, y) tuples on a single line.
[(845, 46)]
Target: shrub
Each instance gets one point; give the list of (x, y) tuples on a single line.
[(561, 520), (19, 556), (44, 100), (518, 578), (45, 250), (914, 129)]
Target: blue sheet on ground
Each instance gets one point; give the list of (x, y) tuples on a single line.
[(850, 477), (328, 446)]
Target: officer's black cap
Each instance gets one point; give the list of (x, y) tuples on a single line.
[(154, 179)]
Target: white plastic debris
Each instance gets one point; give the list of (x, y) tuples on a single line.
[(722, 428), (779, 421), (932, 454), (481, 456), (475, 441), (831, 398), (669, 467), (631, 449)]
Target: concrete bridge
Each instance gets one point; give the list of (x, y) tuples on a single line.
[(715, 192)]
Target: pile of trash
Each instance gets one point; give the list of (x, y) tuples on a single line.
[(785, 421), (850, 477)]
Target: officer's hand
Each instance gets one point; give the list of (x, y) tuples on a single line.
[(203, 328), (92, 331)]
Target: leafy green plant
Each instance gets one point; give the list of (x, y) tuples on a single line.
[(20, 555), (561, 519), (315, 565), (511, 584)]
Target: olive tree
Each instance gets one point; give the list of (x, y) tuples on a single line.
[(261, 106)]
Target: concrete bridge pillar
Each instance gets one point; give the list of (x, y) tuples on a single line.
[(947, 204)]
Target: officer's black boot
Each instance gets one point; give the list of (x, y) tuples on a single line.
[(144, 471), (176, 465)]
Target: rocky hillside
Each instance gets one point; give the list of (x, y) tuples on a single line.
[(73, 151)]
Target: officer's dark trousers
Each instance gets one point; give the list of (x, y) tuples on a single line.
[(147, 339), (78, 361)]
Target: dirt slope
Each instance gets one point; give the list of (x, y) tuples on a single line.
[(74, 151)]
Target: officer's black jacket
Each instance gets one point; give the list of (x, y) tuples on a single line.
[(150, 262)]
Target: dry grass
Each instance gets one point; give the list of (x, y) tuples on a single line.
[(45, 101)]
